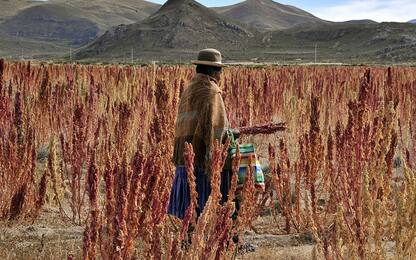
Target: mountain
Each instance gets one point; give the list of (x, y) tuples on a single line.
[(344, 42), (180, 28), (52, 22), (31, 28), (267, 15), (412, 21), (10, 8), (107, 13), (179, 25)]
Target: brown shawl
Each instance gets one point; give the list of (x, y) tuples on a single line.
[(201, 120)]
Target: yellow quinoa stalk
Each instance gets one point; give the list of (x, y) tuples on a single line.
[(400, 223), (405, 224), (379, 234), (120, 221), (58, 187), (368, 205), (315, 253), (108, 226), (284, 176), (383, 181), (339, 232), (248, 200)]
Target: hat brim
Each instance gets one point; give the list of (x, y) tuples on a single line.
[(208, 63)]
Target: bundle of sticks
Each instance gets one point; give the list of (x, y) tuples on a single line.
[(267, 129)]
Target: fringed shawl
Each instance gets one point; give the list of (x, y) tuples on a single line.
[(201, 120)]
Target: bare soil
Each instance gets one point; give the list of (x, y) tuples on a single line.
[(52, 238)]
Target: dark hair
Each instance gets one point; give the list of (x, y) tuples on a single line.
[(207, 70)]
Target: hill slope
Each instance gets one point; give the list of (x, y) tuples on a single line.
[(268, 15), (23, 48), (53, 22), (45, 28), (179, 25), (11, 8), (412, 21), (356, 22), (108, 13), (340, 42)]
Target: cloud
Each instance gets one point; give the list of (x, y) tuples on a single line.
[(377, 10)]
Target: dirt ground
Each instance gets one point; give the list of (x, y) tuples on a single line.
[(277, 247), (48, 238), (269, 243), (52, 238)]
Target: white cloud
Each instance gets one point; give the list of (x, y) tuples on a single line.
[(377, 10)]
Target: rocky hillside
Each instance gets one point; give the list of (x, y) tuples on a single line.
[(183, 25), (343, 42)]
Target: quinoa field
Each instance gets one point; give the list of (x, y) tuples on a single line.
[(86, 169)]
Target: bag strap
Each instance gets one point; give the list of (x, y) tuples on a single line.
[(233, 142)]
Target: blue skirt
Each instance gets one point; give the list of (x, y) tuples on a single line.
[(180, 195)]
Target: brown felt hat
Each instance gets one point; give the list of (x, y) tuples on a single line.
[(209, 57)]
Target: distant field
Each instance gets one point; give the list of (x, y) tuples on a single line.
[(22, 48)]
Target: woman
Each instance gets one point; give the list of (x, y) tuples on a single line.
[(201, 121)]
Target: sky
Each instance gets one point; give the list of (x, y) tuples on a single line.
[(338, 10)]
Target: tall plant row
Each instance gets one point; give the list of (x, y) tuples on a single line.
[(96, 142)]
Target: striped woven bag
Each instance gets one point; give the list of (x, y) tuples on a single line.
[(248, 156)]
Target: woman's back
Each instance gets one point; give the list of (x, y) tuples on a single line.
[(201, 119)]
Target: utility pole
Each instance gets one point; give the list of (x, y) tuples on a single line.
[(316, 52)]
